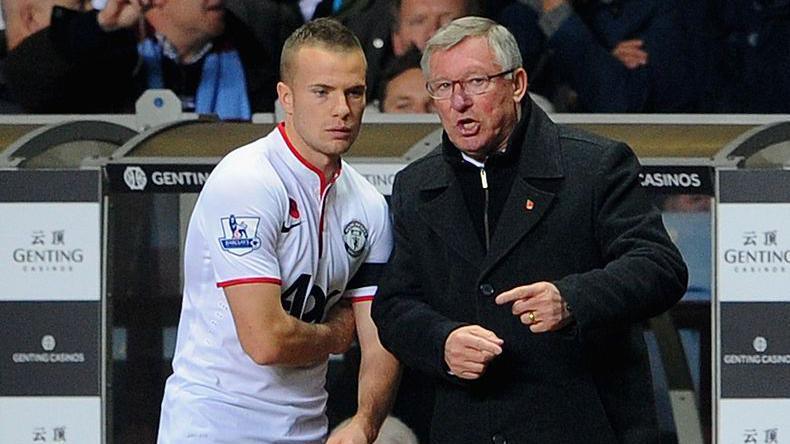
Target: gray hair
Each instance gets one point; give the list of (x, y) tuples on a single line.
[(500, 40)]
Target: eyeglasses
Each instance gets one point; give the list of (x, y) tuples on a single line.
[(442, 89)]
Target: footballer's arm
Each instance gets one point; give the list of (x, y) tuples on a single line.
[(270, 336), (379, 374)]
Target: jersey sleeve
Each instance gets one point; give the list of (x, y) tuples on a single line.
[(363, 285), (241, 215)]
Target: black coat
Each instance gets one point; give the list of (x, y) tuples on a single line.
[(593, 232)]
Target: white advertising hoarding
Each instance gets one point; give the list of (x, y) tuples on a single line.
[(34, 420), (50, 251), (754, 421), (753, 252), (380, 174)]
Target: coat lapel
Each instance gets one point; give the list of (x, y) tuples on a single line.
[(526, 204), (446, 214), (523, 209)]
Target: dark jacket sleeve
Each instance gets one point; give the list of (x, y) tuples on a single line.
[(408, 327), (644, 273), (74, 67)]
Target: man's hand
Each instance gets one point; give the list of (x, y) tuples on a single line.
[(630, 53), (340, 321), (351, 433), (538, 305), (469, 349), (120, 14)]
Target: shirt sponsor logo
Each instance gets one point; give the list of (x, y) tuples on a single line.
[(240, 234), (355, 236)]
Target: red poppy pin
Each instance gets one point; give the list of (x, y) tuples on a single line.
[(529, 205)]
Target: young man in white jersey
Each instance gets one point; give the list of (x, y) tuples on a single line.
[(282, 257)]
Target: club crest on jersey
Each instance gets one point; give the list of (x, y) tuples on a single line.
[(355, 236), (240, 234)]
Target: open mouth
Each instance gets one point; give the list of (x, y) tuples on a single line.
[(467, 127)]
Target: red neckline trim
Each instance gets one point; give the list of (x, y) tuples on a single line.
[(324, 183)]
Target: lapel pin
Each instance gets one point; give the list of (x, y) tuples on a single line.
[(529, 205)]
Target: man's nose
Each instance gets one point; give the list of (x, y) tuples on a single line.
[(341, 107), (459, 99)]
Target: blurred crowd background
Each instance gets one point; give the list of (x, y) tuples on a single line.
[(222, 56)]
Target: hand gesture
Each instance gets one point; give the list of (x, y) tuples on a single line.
[(469, 349), (630, 53), (538, 305), (120, 14)]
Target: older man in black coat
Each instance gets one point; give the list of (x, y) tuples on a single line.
[(526, 255)]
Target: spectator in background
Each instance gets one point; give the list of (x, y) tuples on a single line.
[(753, 59), (615, 55), (402, 87), (26, 17), (198, 49), (411, 23)]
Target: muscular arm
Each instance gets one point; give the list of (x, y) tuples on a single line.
[(270, 336), (379, 373)]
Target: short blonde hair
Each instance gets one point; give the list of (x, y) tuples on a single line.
[(324, 33)]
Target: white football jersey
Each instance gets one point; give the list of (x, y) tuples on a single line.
[(266, 215)]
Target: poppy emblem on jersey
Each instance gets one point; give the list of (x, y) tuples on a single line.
[(293, 216), (355, 236), (240, 234)]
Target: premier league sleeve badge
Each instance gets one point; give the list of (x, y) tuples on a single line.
[(240, 234)]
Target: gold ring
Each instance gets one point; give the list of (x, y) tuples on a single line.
[(531, 317)]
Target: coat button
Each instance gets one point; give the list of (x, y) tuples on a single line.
[(499, 439), (486, 289)]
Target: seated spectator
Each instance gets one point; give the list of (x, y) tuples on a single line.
[(403, 87), (100, 61), (615, 55), (753, 61), (411, 23)]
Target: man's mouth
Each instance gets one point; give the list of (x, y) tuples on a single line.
[(467, 127)]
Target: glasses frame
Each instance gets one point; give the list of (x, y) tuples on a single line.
[(462, 83)]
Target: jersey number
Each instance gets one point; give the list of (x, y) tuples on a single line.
[(303, 306)]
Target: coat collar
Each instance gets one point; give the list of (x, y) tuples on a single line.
[(539, 156), (535, 138)]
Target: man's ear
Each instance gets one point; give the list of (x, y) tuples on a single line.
[(285, 96), (520, 84)]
